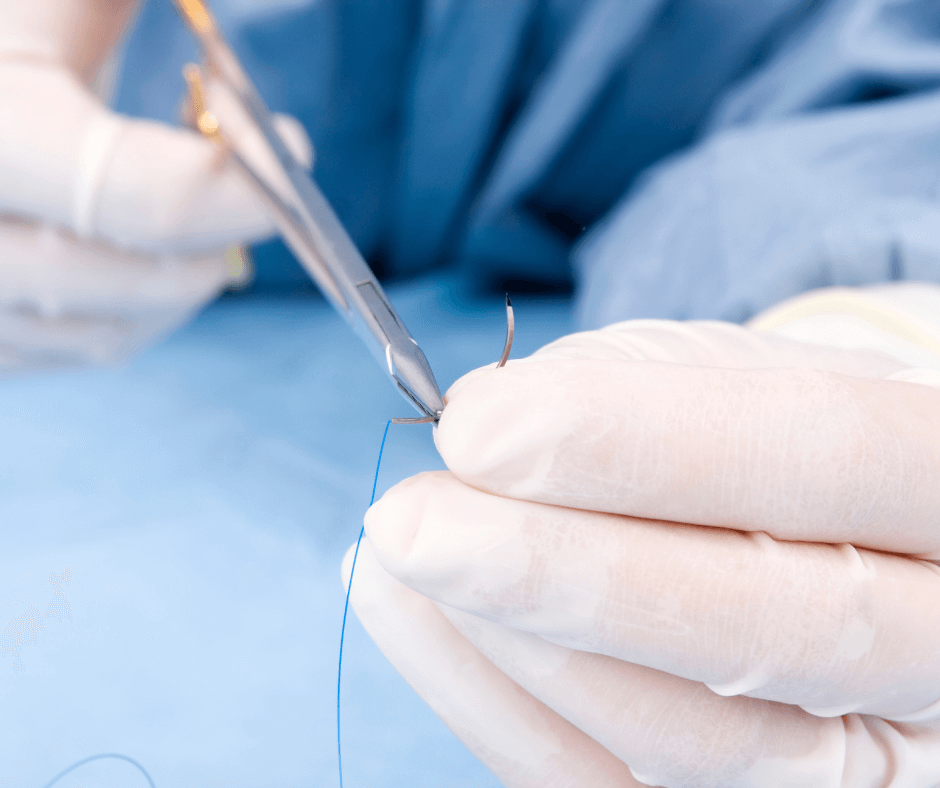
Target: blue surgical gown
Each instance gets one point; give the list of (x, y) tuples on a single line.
[(692, 158), (674, 158)]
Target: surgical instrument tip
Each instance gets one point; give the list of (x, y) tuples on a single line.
[(425, 420), (510, 333), (241, 124)]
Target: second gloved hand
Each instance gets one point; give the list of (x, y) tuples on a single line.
[(112, 230), (679, 555)]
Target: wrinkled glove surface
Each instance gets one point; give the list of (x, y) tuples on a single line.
[(112, 230), (675, 554)]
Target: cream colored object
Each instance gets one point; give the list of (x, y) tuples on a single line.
[(901, 320), (112, 230), (519, 738), (701, 545)]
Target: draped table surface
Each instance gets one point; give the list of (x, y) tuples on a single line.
[(170, 539)]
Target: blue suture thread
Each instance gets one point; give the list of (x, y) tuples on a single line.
[(342, 632), (100, 757), (339, 672)]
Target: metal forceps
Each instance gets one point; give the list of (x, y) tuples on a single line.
[(240, 123)]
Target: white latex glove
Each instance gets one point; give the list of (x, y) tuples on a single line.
[(112, 230), (697, 554)]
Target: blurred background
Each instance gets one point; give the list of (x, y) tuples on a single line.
[(173, 525)]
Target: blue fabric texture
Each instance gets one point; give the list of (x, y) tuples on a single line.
[(819, 168), (707, 156), (170, 563), (169, 576)]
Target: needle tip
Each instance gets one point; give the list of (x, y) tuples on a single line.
[(510, 331)]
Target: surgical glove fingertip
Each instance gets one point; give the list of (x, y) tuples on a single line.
[(469, 407), (393, 522), (464, 380), (485, 433)]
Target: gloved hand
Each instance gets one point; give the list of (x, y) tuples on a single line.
[(112, 230), (675, 555)]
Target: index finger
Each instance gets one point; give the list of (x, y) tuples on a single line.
[(803, 454)]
